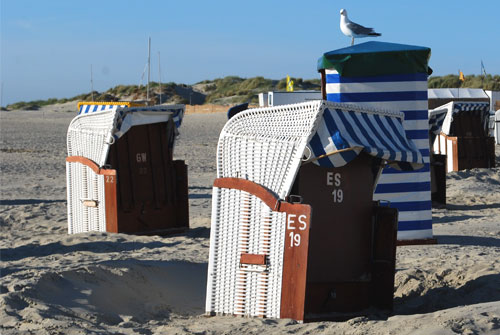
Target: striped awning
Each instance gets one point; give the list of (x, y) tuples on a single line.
[(92, 108), (91, 134), (127, 116), (436, 119), (480, 109), (347, 130)]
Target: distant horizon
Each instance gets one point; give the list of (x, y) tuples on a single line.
[(47, 48), (212, 80), (197, 82)]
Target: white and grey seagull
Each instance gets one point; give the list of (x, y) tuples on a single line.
[(352, 29)]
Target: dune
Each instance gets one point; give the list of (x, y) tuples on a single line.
[(100, 283)]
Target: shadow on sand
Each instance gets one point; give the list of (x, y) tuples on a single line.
[(463, 240), (480, 290), (16, 202), (36, 250)]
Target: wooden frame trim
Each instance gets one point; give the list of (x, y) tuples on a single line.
[(110, 199), (454, 148), (91, 164), (253, 259), (323, 83), (263, 193), (298, 223)]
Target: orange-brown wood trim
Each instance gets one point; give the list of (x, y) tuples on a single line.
[(111, 203), (293, 287), (91, 164), (454, 145), (323, 84), (454, 149), (266, 195), (298, 223), (253, 259), (109, 190)]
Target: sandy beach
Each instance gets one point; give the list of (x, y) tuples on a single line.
[(100, 283)]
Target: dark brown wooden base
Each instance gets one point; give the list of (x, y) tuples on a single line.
[(152, 189)]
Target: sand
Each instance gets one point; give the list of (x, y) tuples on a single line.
[(100, 283)]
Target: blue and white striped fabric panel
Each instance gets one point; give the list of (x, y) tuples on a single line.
[(436, 119), (471, 106), (86, 109), (409, 192), (178, 116), (378, 135)]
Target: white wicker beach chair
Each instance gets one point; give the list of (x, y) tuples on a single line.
[(91, 186), (464, 135), (257, 237)]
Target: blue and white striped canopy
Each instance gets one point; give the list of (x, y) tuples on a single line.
[(481, 109), (92, 108), (436, 119), (346, 131), (176, 110), (125, 117)]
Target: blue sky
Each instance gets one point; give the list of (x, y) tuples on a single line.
[(47, 47)]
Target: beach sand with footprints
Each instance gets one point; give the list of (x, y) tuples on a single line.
[(100, 283)]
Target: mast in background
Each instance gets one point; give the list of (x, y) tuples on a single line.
[(159, 74), (149, 70), (91, 83)]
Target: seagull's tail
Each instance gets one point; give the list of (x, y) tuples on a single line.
[(375, 34)]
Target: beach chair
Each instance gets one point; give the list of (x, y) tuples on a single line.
[(295, 232), (437, 161), (464, 137), (121, 176), (236, 109)]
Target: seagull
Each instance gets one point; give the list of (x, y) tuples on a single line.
[(352, 29)]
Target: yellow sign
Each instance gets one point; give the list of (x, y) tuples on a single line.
[(289, 84), (461, 76)]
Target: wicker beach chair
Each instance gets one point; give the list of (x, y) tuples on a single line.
[(465, 136), (98, 157), (259, 239)]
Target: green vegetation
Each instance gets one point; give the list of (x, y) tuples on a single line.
[(246, 90), (233, 90), (487, 82), (36, 104)]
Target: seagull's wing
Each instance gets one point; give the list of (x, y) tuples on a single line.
[(359, 29)]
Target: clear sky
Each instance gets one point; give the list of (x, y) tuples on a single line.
[(47, 47)]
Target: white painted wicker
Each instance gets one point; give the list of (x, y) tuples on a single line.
[(91, 135), (264, 146), (86, 185)]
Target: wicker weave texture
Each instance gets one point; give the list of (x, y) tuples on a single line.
[(84, 184), (90, 135), (251, 290), (264, 146)]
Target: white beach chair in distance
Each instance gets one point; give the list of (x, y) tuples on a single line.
[(121, 176)]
